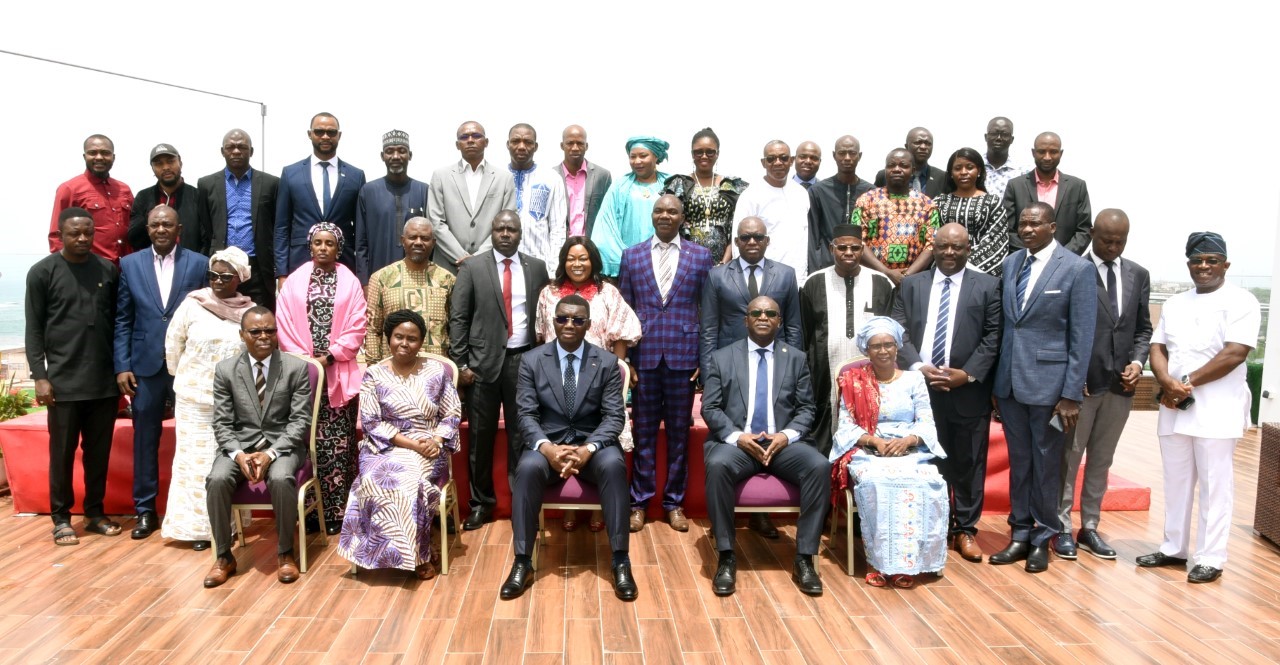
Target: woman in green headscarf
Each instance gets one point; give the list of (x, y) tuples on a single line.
[(626, 212)]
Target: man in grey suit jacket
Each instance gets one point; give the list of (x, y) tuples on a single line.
[(584, 182), (758, 406), (249, 226), (1049, 318), (464, 199), (1121, 342), (952, 313), (1070, 196), (260, 421)]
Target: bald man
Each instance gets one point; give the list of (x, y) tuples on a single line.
[(584, 182), (238, 209), (465, 198), (1000, 167), (808, 159), (831, 201), (925, 179), (1067, 195), (783, 206)]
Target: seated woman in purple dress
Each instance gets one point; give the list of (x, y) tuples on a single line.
[(409, 411)]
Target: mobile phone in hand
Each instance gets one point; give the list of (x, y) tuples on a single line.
[(1056, 422)]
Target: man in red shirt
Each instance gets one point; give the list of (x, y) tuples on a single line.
[(108, 200)]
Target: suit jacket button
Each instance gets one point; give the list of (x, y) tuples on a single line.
[(164, 318)]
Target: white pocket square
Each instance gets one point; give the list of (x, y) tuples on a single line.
[(1048, 292)]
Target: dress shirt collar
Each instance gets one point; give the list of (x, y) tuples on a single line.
[(578, 355), (466, 168), (956, 279), (93, 177), (654, 242), (752, 347), (800, 181), (167, 258), (1045, 252), (564, 167), (746, 267), (231, 177), (1046, 183), (1102, 265), (266, 366), (500, 257), (315, 162)]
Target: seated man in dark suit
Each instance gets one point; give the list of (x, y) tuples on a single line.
[(261, 418), (756, 408), (571, 412)]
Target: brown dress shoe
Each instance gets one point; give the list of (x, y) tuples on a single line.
[(287, 573), (677, 520), (637, 520), (222, 569), (968, 548)]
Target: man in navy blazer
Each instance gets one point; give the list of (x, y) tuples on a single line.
[(1069, 196), (661, 279), (320, 188), (152, 284), (1049, 319), (955, 347)]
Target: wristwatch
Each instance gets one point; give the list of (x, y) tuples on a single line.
[(592, 448)]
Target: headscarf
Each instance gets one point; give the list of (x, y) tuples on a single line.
[(1205, 242), (879, 325), (234, 257), (331, 228), (653, 144)]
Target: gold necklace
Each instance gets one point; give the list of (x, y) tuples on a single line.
[(897, 374)]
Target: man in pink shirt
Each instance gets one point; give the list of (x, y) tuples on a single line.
[(585, 183), (1068, 195)]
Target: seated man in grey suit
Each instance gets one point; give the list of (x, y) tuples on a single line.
[(758, 404), (260, 420), (571, 412)]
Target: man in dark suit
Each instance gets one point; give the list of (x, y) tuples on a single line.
[(952, 313), (491, 324), (153, 283), (584, 182), (661, 279), (261, 419), (758, 406), (1121, 342), (170, 190), (1049, 317), (238, 209), (320, 188), (571, 412), (924, 178), (1068, 195)]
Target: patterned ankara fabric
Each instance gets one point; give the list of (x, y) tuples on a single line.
[(426, 292), (895, 229), (335, 426)]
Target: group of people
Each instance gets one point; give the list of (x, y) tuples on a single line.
[(845, 336)]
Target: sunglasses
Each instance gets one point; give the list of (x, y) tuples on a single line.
[(333, 133), (261, 332), (846, 248), (1206, 260), (578, 321), (767, 313), (476, 136), (220, 276), (705, 152), (750, 237), (774, 159)]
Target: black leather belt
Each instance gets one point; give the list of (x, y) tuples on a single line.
[(519, 350)]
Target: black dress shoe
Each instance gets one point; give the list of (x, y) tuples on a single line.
[(1091, 542), (477, 518), (624, 585), (148, 523), (1159, 559), (1038, 559), (333, 528), (806, 577), (520, 578), (199, 545), (726, 580), (1202, 574), (1065, 546), (1016, 551), (760, 523)]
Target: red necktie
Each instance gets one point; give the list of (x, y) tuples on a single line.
[(506, 292)]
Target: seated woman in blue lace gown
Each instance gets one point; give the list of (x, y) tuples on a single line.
[(882, 447)]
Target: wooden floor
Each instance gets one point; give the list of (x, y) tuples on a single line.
[(116, 600)]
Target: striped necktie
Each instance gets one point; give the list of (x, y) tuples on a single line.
[(666, 268), (1024, 276), (940, 332), (261, 383)]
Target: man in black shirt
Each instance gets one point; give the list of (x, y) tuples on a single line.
[(171, 190)]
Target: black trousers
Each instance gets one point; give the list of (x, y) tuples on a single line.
[(483, 402), (965, 440), (88, 425), (607, 470), (799, 464), (261, 289)]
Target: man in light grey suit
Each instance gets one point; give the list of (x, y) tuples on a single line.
[(1049, 318), (758, 406), (260, 421), (464, 199), (584, 182)]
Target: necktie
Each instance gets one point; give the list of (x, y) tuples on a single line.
[(806, 185), (666, 268), (1111, 287), (328, 196), (760, 417), (506, 292), (1024, 276), (940, 332), (570, 383), (261, 383), (753, 289)]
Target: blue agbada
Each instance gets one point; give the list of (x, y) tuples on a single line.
[(626, 214)]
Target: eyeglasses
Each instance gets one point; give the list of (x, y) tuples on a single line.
[(841, 249), (1210, 261), (705, 152), (220, 276), (326, 132), (747, 238), (767, 313), (773, 159), (578, 321), (474, 136), (261, 332), (882, 346)]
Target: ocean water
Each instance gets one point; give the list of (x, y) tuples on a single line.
[(13, 286)]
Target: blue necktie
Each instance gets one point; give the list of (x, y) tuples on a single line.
[(328, 196), (760, 419), (1024, 276), (940, 333), (570, 383)]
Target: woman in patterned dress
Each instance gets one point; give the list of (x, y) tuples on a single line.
[(321, 313), (709, 199), (883, 447), (409, 411), (626, 213), (967, 202), (204, 331)]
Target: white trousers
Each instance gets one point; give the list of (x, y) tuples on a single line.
[(1188, 460)]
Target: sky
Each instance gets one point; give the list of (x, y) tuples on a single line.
[(1150, 102)]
